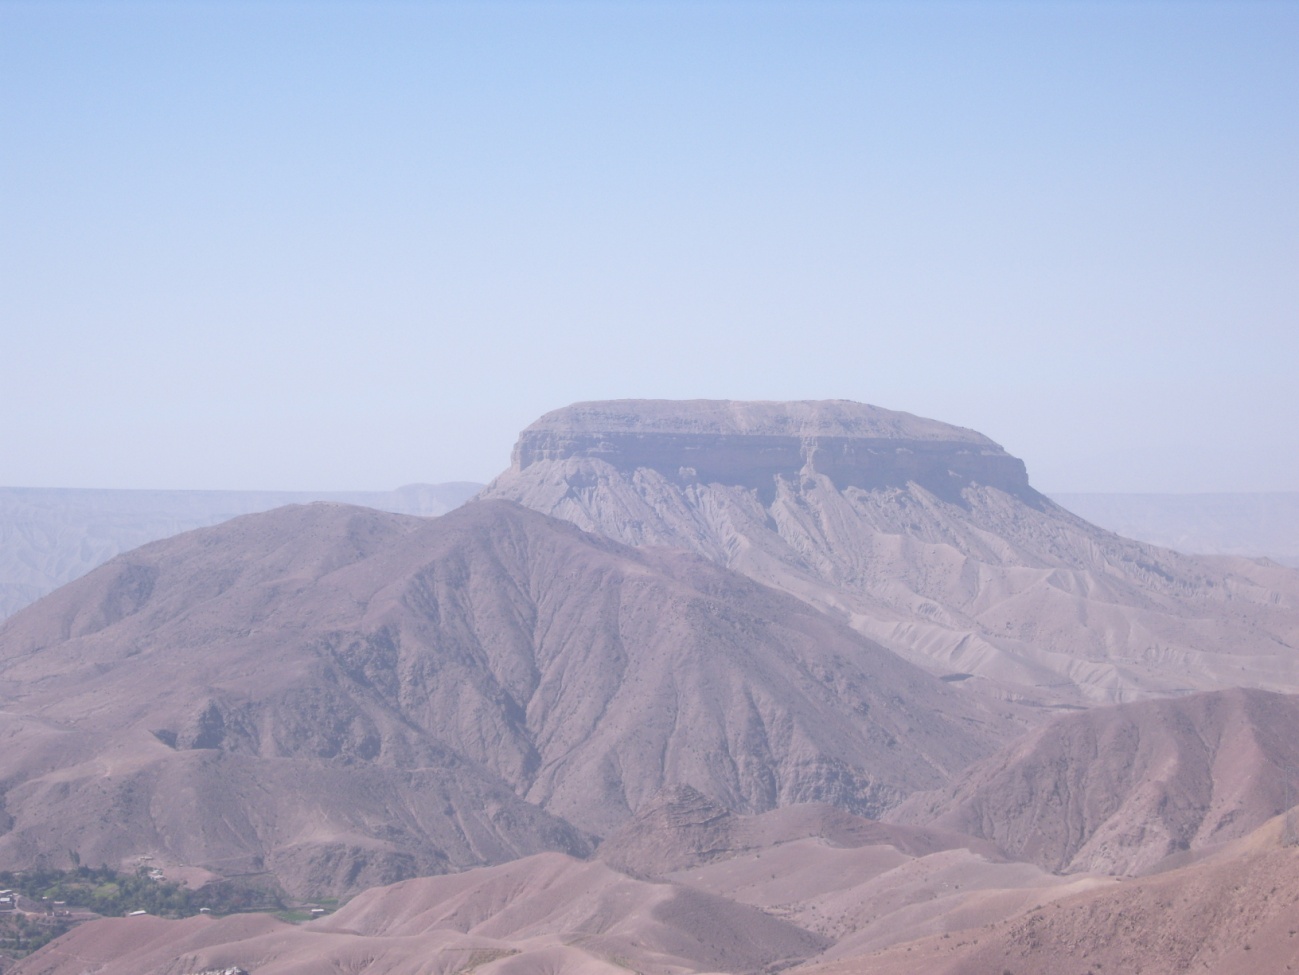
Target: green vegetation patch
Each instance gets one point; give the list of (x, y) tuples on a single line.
[(113, 894), (110, 893)]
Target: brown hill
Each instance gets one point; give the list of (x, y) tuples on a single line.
[(544, 913), (682, 828), (1236, 912), (1119, 789), (861, 884), (346, 697), (50, 536), (924, 536), (821, 885)]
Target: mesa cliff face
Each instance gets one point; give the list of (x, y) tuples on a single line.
[(921, 535), (753, 445)]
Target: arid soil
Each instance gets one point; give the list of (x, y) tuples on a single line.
[(1234, 913), (547, 912)]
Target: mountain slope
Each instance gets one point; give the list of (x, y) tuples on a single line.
[(50, 536), (1234, 911), (923, 536), (546, 913), (1119, 789), (348, 697), (859, 883), (1237, 911)]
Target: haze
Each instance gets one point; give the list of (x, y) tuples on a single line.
[(352, 246)]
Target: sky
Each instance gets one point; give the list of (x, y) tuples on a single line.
[(350, 246)]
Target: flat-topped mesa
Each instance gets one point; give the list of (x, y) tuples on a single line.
[(751, 443)]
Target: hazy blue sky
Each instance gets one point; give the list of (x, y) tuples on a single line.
[(356, 245)]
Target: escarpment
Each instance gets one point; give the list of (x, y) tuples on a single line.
[(755, 445), (924, 536)]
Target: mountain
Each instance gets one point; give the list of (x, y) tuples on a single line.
[(923, 536), (548, 913), (681, 828), (1233, 912), (948, 912), (1120, 789), (345, 697), (50, 536), (860, 884)]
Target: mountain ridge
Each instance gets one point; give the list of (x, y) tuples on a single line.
[(555, 680)]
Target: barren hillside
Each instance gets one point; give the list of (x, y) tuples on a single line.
[(923, 536), (50, 536), (1119, 789), (346, 697)]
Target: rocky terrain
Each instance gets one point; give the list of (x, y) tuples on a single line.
[(839, 900), (343, 697), (1120, 789), (839, 881), (925, 537), (50, 536), (701, 686), (1237, 911)]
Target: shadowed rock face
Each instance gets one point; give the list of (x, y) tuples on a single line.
[(921, 535), (752, 444)]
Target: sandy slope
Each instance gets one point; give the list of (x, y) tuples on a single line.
[(863, 884), (868, 908)]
